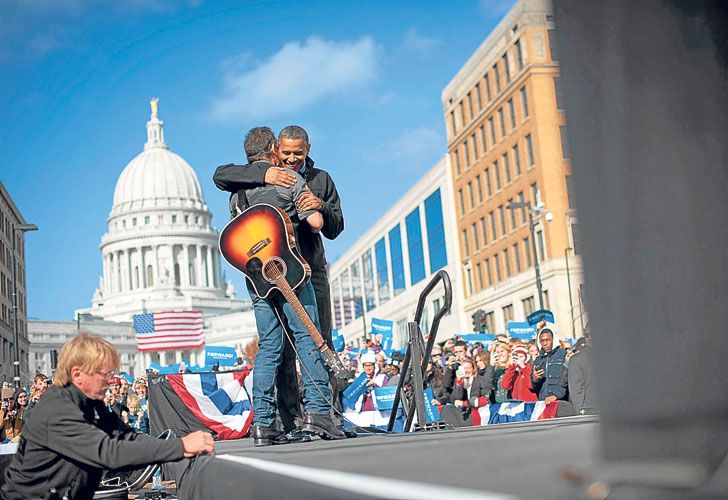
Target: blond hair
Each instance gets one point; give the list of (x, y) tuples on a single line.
[(89, 353)]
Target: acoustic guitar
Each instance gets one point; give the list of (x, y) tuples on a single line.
[(260, 243)]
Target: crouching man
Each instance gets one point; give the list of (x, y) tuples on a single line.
[(71, 438)]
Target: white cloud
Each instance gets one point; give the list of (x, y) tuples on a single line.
[(296, 76), (419, 44), (413, 150)]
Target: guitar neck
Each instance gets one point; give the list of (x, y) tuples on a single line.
[(298, 308)]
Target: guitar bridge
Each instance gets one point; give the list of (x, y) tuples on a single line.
[(258, 247)]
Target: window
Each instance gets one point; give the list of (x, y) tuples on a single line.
[(513, 215), (528, 305), (146, 219), (467, 154), (368, 279), (541, 249), (519, 55), (535, 195), (489, 322), (553, 48), (517, 257), (160, 219), (482, 138), (479, 273), (469, 274), (507, 313), (476, 243), (496, 78), (435, 231), (461, 107), (187, 219), (506, 68), (496, 263), (529, 150), (502, 217), (478, 96), (517, 160), (512, 113), (452, 122), (502, 119), (461, 198), (150, 275), (395, 252), (491, 217), (488, 186), (546, 301), (471, 197), (565, 147), (380, 251), (470, 105), (133, 221), (488, 95), (456, 160), (356, 290), (336, 303), (483, 231), (496, 170), (475, 145), (346, 300), (521, 197), (527, 251), (466, 244), (507, 262), (488, 272), (559, 95), (507, 168), (174, 219), (414, 245), (480, 189), (492, 131), (570, 191), (524, 102)]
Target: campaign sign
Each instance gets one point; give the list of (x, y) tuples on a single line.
[(356, 389), (338, 340), (387, 345), (384, 397), (521, 330), (432, 414), (219, 354), (383, 327), (472, 338), (535, 317)]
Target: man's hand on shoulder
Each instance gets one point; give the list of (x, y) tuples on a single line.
[(278, 176), (198, 442)]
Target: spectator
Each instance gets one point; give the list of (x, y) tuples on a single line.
[(500, 359), (393, 375), (366, 401), (532, 351), (517, 379), (11, 415), (114, 402), (459, 353), (471, 390), (581, 379), (381, 361), (548, 369), (482, 361), (433, 379)]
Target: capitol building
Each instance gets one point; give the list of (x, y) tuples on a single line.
[(160, 254)]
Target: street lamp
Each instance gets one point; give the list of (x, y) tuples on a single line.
[(571, 300), (531, 210), (16, 348)]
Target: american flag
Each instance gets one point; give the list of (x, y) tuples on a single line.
[(161, 331)]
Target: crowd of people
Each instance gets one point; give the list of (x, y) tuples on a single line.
[(464, 375)]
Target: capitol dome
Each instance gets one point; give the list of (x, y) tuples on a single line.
[(160, 252)]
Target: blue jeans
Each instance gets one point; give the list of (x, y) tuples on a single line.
[(270, 342)]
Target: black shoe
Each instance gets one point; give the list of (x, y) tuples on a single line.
[(349, 433), (298, 435), (321, 425), (266, 436)]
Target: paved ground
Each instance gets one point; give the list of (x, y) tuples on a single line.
[(525, 460)]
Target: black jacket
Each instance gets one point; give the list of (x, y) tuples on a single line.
[(234, 178), (551, 384), (69, 440)]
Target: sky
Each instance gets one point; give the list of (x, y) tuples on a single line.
[(363, 77)]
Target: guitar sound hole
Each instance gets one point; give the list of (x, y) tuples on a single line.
[(274, 269)]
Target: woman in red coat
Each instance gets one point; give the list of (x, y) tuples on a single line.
[(517, 378)]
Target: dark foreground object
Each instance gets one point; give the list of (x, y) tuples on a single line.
[(505, 461)]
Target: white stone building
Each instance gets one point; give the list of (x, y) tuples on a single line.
[(383, 273)]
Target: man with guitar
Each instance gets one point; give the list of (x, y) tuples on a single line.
[(300, 310), (294, 148)]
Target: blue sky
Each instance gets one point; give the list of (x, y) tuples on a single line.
[(363, 77)]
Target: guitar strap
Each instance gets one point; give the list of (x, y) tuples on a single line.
[(238, 203)]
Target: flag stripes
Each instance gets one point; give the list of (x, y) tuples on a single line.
[(169, 330)]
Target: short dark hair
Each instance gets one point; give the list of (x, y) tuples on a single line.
[(294, 132), (461, 343), (546, 330), (258, 143)]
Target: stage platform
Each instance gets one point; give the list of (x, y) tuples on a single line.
[(518, 460)]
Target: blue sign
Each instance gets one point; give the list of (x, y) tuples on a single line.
[(384, 397), (472, 338), (220, 355), (521, 330), (127, 377), (432, 414), (338, 340), (387, 345), (535, 317), (356, 389), (383, 327)]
